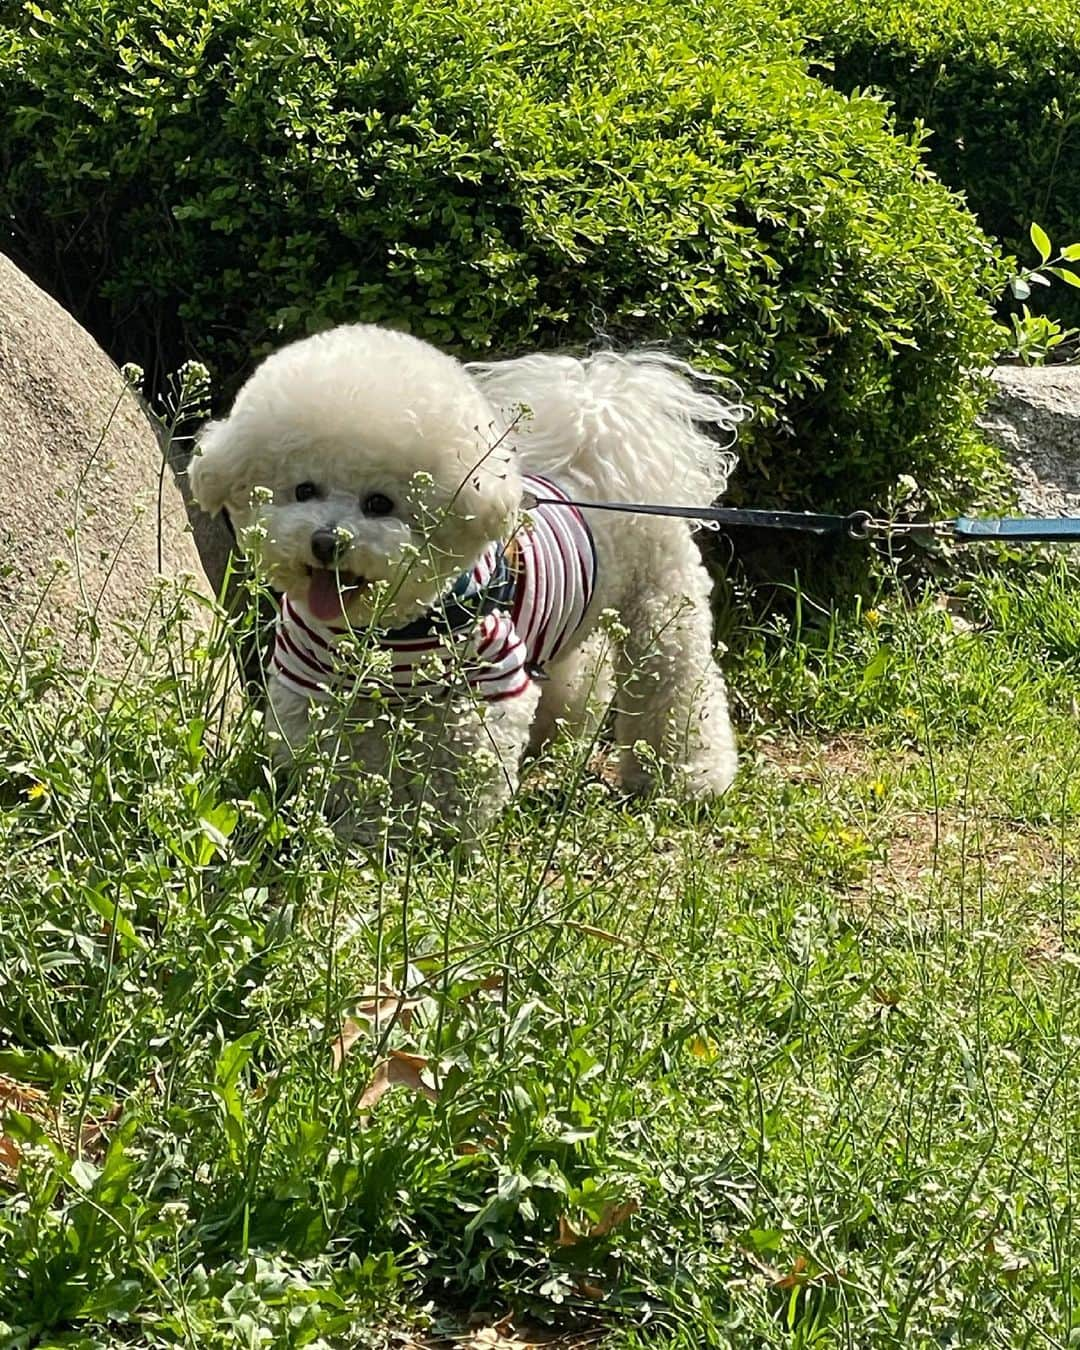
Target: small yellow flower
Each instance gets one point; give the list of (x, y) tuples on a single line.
[(873, 618), (702, 1048), (36, 792)]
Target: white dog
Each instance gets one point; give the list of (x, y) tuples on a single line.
[(438, 591)]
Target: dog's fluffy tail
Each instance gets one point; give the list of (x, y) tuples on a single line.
[(632, 427)]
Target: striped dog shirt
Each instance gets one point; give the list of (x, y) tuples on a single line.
[(504, 620)]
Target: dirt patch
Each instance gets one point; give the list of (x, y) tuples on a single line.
[(1046, 947), (801, 761), (954, 849), (970, 850)]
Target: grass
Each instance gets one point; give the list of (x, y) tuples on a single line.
[(798, 1071)]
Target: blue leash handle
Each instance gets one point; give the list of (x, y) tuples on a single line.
[(1047, 529)]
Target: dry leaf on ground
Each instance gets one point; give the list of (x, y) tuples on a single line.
[(378, 1008), (28, 1101), (611, 1217), (399, 1069), (9, 1154), (92, 1137), (350, 1033), (32, 1102), (795, 1278)]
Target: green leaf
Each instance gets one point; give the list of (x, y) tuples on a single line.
[(37, 1066), (84, 1173), (1071, 252), (1067, 275), (1041, 240), (115, 918), (876, 668), (111, 1185), (230, 1065), (116, 1299)]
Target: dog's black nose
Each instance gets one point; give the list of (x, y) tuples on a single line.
[(328, 546)]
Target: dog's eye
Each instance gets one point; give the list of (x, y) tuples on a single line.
[(305, 492), (377, 504)]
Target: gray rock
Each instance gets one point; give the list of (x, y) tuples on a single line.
[(1034, 418), (92, 517)]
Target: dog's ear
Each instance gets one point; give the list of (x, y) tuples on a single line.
[(212, 471)]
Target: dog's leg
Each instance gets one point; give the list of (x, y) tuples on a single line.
[(576, 693), (287, 725), (501, 741), (459, 768), (449, 766), (319, 747), (671, 695), (474, 768)]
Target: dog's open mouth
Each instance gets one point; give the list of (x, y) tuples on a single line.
[(330, 592)]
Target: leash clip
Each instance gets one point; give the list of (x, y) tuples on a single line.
[(863, 527)]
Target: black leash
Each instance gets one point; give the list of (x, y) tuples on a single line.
[(860, 525), (810, 522)]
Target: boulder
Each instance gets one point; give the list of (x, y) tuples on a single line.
[(1034, 418), (92, 515)]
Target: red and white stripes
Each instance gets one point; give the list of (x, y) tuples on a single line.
[(554, 580)]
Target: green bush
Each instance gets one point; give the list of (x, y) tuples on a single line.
[(212, 177), (997, 85)]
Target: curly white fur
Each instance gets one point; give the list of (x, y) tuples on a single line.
[(361, 414), (626, 427)]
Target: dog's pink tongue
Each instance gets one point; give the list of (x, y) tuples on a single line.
[(324, 595)]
